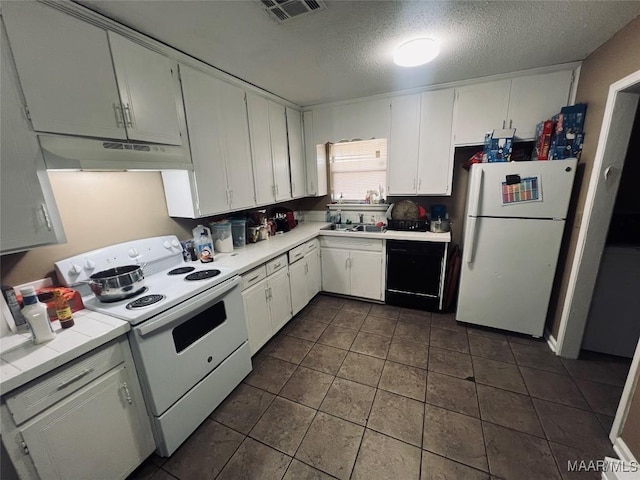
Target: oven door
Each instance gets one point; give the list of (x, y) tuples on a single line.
[(179, 347)]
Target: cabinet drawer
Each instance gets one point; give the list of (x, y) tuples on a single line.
[(253, 276), (40, 394), (350, 243), (276, 264), (311, 245), (297, 253)]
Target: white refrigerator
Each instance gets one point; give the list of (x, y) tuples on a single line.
[(513, 228)]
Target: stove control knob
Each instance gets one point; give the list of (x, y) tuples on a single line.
[(133, 253), (75, 269), (167, 244), (89, 265), (175, 243)]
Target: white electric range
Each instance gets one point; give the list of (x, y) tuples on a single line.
[(188, 331)]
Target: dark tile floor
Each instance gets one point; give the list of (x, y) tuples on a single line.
[(349, 389)]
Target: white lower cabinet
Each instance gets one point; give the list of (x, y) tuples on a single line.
[(267, 302), (304, 275), (77, 422), (353, 267)]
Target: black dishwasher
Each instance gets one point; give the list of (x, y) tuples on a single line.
[(414, 274)]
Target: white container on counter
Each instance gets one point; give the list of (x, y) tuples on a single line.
[(36, 315), (222, 239)]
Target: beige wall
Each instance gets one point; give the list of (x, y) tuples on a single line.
[(98, 209), (615, 59)]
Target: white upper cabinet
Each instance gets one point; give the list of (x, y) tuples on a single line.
[(519, 103), (296, 153), (149, 88), (420, 153), (435, 164), (316, 163), (362, 120), (536, 98), (479, 109), (68, 69), (279, 150), (404, 145), (268, 132), (222, 179), (28, 210)]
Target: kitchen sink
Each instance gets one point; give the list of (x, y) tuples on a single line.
[(354, 227)]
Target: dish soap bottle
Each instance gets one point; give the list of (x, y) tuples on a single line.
[(36, 314), (63, 310)]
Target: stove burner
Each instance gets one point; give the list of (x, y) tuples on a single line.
[(202, 274), (124, 297), (181, 270), (145, 301)]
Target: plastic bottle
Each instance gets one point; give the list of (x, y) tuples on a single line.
[(203, 243), (36, 314), (63, 310)]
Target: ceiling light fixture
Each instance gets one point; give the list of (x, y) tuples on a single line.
[(416, 52)]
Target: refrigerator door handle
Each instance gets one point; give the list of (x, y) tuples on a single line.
[(474, 192), (470, 240)]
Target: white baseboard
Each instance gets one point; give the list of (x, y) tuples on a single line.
[(551, 341)]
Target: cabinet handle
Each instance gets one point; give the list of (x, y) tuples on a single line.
[(66, 383), (127, 116), (346, 263), (510, 122), (231, 197), (127, 395), (117, 110), (253, 278), (419, 183), (45, 215), (277, 265), (503, 123)]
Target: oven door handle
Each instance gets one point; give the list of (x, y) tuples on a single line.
[(174, 314)]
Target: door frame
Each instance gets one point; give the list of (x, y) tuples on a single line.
[(619, 114), (622, 412)]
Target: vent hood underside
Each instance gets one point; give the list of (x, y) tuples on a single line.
[(72, 153)]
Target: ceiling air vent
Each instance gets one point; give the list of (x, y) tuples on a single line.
[(284, 10)]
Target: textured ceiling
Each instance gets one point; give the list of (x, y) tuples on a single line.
[(345, 51)]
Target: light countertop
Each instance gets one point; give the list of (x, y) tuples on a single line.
[(22, 361), (255, 254)]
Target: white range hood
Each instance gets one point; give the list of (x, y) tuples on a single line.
[(73, 153)]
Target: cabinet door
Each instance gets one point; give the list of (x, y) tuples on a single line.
[(314, 273), (29, 218), (256, 310), (65, 70), (296, 154), (299, 285), (279, 150), (479, 109), (404, 144), (261, 148), (201, 100), (279, 299), (363, 120), (148, 92), (335, 270), (366, 274), (236, 149), (435, 164), (316, 164), (536, 98), (107, 417)]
